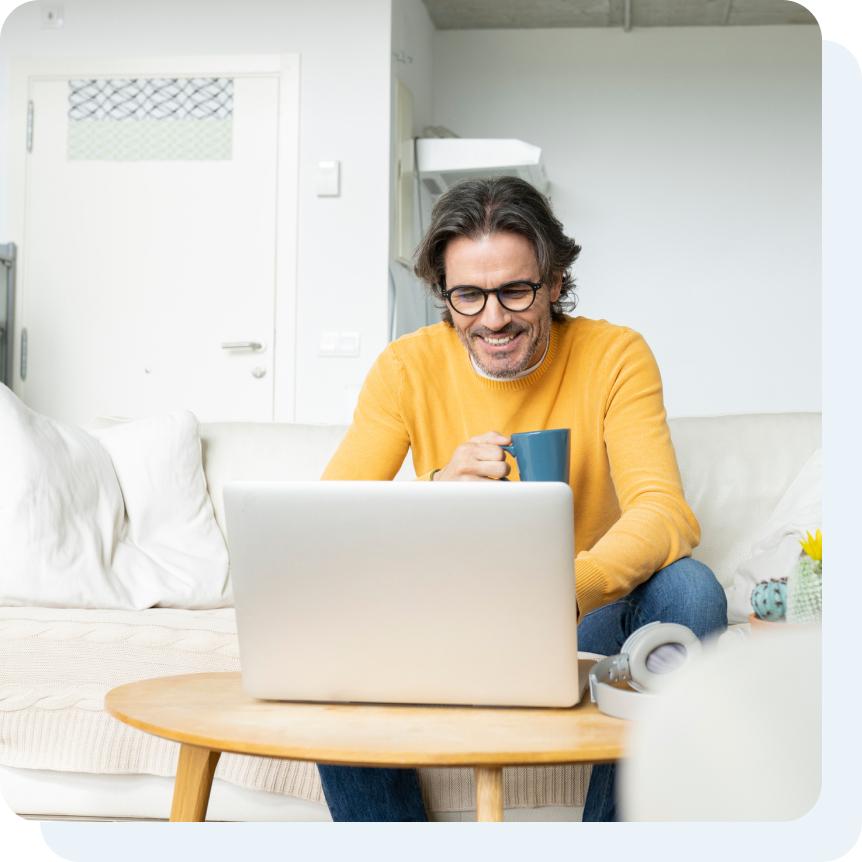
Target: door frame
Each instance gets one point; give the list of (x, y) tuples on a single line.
[(284, 67)]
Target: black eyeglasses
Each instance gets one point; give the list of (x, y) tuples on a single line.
[(513, 296)]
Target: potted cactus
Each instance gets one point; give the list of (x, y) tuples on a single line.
[(769, 600), (796, 599), (805, 584)]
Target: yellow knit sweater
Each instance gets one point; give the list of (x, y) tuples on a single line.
[(597, 379)]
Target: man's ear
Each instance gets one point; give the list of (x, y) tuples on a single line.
[(556, 286)]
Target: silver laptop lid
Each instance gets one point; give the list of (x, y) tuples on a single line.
[(405, 592)]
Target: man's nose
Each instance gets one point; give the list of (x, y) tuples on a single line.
[(494, 316)]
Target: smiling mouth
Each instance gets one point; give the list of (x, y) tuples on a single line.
[(498, 341)]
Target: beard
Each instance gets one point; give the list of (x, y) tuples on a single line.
[(505, 367)]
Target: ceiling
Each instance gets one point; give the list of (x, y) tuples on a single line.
[(522, 14)]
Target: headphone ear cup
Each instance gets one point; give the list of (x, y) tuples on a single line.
[(641, 644), (631, 665), (636, 637)]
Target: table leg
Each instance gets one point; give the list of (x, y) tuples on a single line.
[(192, 786), (489, 792)]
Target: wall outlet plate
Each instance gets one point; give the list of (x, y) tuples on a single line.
[(328, 344), (52, 16), (348, 344)]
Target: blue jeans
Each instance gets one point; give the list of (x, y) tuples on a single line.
[(685, 592)]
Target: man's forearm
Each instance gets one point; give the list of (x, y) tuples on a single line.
[(646, 538)]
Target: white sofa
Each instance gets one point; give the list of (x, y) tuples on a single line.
[(61, 755)]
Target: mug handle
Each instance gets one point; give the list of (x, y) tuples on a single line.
[(511, 451)]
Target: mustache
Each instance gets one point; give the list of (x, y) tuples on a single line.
[(498, 333)]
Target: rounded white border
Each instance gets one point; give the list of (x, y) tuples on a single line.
[(831, 828)]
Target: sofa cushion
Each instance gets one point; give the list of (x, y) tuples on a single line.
[(264, 451), (775, 552), (735, 469)]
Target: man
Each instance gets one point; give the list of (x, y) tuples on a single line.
[(507, 359)]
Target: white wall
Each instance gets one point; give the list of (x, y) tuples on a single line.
[(345, 91), (686, 162), (412, 59)]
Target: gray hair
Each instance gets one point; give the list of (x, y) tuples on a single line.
[(475, 208)]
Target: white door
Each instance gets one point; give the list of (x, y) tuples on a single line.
[(150, 247)]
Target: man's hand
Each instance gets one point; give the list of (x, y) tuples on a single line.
[(479, 459)]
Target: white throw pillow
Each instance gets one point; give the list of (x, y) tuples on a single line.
[(776, 550), (68, 540), (61, 513), (173, 550)]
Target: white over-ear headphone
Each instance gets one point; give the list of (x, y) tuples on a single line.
[(634, 666)]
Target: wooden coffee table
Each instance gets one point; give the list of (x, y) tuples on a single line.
[(208, 713)]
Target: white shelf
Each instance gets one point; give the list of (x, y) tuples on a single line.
[(442, 162)]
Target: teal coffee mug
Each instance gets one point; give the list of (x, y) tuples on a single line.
[(542, 456)]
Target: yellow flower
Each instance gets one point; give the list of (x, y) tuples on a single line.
[(813, 545)]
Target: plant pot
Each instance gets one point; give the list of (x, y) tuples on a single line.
[(758, 625)]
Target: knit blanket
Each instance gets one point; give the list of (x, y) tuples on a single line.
[(56, 665)]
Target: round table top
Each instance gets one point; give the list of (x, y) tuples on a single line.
[(211, 710)]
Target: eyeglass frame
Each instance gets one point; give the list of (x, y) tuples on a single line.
[(533, 285)]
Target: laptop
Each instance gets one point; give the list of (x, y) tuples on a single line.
[(406, 592)]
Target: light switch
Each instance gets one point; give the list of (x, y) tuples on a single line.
[(328, 179)]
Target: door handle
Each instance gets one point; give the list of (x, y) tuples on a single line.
[(241, 345)]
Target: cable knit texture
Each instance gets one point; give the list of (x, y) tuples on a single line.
[(599, 380), (58, 664)]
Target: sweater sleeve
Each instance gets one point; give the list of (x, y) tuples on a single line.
[(377, 440), (656, 526)]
